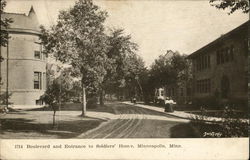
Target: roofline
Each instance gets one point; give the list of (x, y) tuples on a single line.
[(216, 40), (21, 14), (25, 31)]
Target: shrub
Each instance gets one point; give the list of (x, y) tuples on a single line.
[(230, 126)]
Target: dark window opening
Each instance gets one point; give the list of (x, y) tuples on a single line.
[(203, 86), (37, 55), (232, 53), (37, 80)]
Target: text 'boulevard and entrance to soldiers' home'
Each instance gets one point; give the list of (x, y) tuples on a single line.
[(88, 69)]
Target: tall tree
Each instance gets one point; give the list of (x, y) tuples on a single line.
[(168, 69), (5, 23), (123, 62), (78, 39), (4, 36), (232, 5)]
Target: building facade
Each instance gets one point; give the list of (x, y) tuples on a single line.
[(220, 68), (23, 70)]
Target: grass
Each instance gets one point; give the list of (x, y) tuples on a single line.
[(37, 123), (64, 129)]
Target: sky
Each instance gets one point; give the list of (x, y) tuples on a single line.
[(155, 25)]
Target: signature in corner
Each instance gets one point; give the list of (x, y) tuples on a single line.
[(212, 134)]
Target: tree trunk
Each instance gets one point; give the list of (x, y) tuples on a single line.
[(101, 98), (54, 118), (83, 100)]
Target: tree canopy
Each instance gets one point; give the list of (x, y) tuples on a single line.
[(232, 5), (168, 68), (78, 39), (104, 61), (4, 24), (124, 64)]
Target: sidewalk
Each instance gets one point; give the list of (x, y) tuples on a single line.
[(179, 114)]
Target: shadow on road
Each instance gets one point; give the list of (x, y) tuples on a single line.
[(184, 130)]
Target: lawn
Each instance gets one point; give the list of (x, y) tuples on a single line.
[(38, 123)]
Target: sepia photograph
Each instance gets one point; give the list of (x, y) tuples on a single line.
[(125, 70)]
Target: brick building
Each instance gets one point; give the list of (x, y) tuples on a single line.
[(220, 69), (23, 70)]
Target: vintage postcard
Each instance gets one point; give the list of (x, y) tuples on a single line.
[(124, 79)]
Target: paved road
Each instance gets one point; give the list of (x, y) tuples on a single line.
[(134, 122)]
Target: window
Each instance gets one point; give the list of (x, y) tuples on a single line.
[(162, 92), (203, 86), (222, 56), (208, 61), (202, 62), (218, 57), (225, 55), (37, 55), (232, 53), (39, 102), (37, 80)]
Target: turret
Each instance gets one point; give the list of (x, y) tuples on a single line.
[(33, 17)]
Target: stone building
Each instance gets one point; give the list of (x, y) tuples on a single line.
[(23, 70), (220, 70)]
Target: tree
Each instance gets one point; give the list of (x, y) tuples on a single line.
[(59, 89), (168, 69), (5, 23), (4, 36), (52, 97), (232, 5), (78, 39), (124, 64), (135, 69)]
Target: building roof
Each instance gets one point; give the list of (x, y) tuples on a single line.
[(23, 21), (236, 31)]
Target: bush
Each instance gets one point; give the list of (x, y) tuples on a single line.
[(230, 126)]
